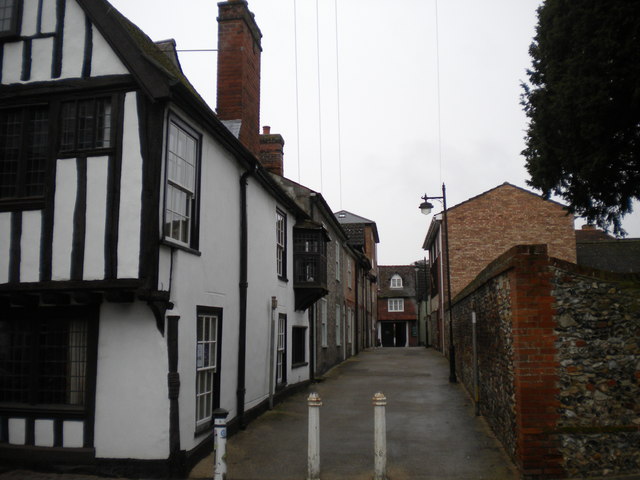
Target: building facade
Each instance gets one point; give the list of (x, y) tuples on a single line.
[(147, 258), (482, 228), (398, 312)]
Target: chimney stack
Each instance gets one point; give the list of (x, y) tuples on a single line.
[(272, 151), (239, 49)]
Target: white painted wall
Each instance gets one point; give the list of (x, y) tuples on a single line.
[(97, 173), (132, 405), (64, 207), (210, 279), (103, 61), (5, 245), (130, 193), (30, 246)]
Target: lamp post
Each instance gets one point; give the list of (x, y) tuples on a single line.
[(425, 208)]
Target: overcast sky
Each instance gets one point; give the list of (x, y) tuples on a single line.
[(361, 122)]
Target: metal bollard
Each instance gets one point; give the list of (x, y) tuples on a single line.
[(220, 444), (380, 436), (313, 464)]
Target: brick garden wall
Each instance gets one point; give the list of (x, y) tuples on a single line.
[(558, 360)]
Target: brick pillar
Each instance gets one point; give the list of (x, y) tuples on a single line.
[(535, 365), (272, 151), (239, 50)]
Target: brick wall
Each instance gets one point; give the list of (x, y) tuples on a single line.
[(484, 227), (559, 363)]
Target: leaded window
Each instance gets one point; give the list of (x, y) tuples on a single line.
[(86, 125), (9, 17), (24, 145), (43, 361)]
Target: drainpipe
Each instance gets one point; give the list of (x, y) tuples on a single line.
[(244, 285)]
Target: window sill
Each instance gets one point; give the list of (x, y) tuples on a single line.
[(168, 243), (283, 279), (204, 428), (298, 365)]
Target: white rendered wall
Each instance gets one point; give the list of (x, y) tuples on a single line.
[(132, 405), (103, 60), (30, 246), (5, 245), (64, 207), (130, 193), (97, 173), (209, 280)]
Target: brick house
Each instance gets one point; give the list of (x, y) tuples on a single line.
[(481, 229), (363, 238), (397, 306)]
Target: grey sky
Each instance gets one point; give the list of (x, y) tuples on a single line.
[(387, 146)]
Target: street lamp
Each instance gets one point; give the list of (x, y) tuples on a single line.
[(425, 208)]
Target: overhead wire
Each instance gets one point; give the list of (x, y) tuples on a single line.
[(338, 102), (295, 42), (319, 92), (438, 94)]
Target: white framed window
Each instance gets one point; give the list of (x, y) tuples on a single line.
[(180, 192), (281, 351), (281, 244), (338, 326), (396, 305), (396, 281), (322, 315), (349, 273), (207, 350)]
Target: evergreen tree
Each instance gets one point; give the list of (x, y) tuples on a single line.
[(583, 104)]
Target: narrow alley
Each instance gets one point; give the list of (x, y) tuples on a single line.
[(432, 432)]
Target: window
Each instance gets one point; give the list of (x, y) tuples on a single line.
[(349, 273), (396, 281), (24, 145), (181, 168), (322, 315), (57, 375), (298, 346), (9, 17), (86, 125), (338, 326), (281, 351), (281, 244), (350, 326), (207, 368), (396, 304), (337, 261)]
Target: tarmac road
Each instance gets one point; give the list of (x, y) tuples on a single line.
[(432, 432)]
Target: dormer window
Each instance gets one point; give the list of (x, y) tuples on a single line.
[(396, 281), (9, 17)]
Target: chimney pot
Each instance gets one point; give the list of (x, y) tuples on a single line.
[(266, 130)]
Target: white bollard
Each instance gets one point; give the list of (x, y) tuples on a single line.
[(380, 436), (220, 444), (315, 402)]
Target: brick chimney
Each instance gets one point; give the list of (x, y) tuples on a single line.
[(272, 151), (239, 49)]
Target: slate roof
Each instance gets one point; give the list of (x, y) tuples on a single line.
[(408, 275), (354, 225), (621, 256)]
